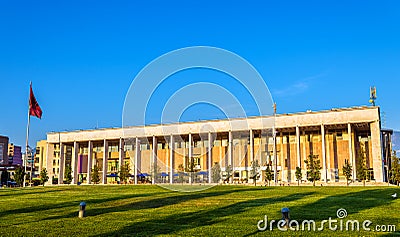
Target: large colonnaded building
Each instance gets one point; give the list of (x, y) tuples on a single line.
[(335, 135)]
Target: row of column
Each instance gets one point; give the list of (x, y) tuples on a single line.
[(286, 177), (325, 163), (75, 155)]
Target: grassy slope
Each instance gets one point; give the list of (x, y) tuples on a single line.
[(220, 211)]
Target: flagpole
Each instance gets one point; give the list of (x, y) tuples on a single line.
[(27, 135)]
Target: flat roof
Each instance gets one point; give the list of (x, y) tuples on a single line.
[(308, 112)]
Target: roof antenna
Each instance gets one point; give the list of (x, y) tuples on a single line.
[(372, 97)]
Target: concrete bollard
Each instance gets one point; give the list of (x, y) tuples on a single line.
[(82, 209), (286, 216)]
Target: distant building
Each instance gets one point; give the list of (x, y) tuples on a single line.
[(4, 150), (40, 156), (396, 141), (387, 149), (161, 152), (14, 155)]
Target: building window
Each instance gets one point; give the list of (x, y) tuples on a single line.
[(128, 148), (113, 147), (339, 136)]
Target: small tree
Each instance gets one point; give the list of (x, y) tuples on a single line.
[(395, 170), (43, 176), (68, 174), (216, 173), (299, 175), (347, 171), (19, 176), (4, 176), (124, 173), (313, 168), (191, 169), (229, 173), (255, 171), (181, 173), (361, 167), (155, 171), (95, 175), (268, 175)]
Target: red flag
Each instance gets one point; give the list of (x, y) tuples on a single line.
[(34, 108)]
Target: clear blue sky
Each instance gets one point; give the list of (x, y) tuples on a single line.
[(83, 55)]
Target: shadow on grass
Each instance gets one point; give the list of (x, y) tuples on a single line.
[(172, 224), (354, 202), (21, 192), (173, 199), (33, 209)]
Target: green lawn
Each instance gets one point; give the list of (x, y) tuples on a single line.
[(219, 211)]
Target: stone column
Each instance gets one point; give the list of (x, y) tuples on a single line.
[(251, 151), (329, 158), (49, 163), (105, 162), (171, 159), (377, 151), (305, 155), (324, 163), (275, 156), (190, 155), (154, 160), (74, 163), (137, 157), (90, 162), (283, 163), (251, 146), (298, 141), (62, 165), (352, 158), (230, 154), (210, 145), (121, 155)]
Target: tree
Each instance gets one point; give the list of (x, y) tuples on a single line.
[(124, 173), (216, 173), (228, 171), (299, 175), (95, 175), (395, 170), (255, 171), (181, 173), (155, 171), (347, 171), (19, 176), (361, 167), (313, 168), (43, 176), (68, 174), (190, 169), (4, 176), (268, 175)]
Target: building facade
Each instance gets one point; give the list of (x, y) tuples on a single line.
[(14, 154), (4, 150), (168, 153)]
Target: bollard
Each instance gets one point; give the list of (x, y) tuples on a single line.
[(82, 209), (286, 216)]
